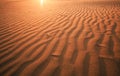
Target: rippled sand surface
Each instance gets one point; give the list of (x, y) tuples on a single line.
[(60, 38)]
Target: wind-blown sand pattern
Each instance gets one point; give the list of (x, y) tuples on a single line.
[(60, 38)]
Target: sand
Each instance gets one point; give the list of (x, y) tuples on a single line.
[(60, 38)]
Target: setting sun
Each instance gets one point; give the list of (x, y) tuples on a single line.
[(41, 2)]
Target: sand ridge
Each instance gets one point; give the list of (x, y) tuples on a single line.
[(60, 38)]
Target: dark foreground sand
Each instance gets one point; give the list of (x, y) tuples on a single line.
[(60, 38)]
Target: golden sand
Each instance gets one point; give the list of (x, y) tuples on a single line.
[(59, 38)]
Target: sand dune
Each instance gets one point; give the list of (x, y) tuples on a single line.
[(60, 38)]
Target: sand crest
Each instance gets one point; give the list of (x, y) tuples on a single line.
[(60, 38)]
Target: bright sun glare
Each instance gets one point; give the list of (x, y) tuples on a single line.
[(41, 2)]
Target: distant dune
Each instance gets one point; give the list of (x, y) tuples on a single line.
[(60, 38)]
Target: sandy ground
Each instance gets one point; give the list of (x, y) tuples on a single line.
[(60, 38)]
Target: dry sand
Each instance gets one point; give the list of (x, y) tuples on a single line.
[(60, 38)]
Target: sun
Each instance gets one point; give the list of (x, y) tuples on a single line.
[(41, 2)]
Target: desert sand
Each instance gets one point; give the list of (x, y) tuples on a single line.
[(59, 38)]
